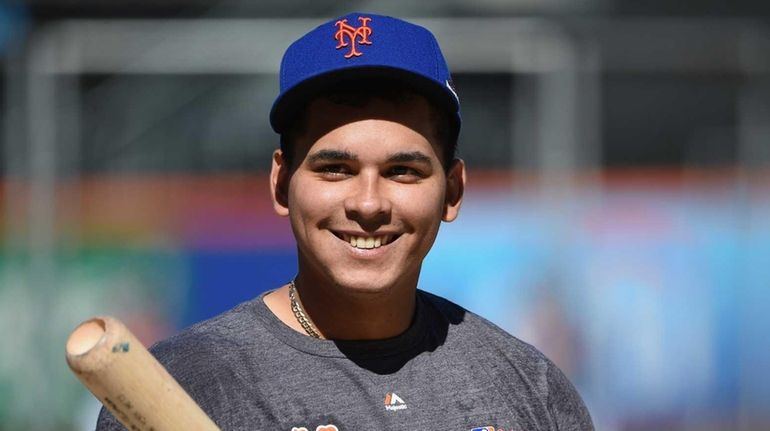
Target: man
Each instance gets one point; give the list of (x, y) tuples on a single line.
[(366, 173)]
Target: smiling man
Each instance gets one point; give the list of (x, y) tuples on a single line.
[(366, 173), (365, 189)]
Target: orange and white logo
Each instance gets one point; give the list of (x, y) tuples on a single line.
[(347, 35), (318, 428), (394, 402)]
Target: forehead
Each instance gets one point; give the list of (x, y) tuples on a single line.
[(372, 126)]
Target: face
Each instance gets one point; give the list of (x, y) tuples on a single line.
[(367, 193)]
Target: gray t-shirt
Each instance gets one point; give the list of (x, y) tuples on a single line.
[(451, 370)]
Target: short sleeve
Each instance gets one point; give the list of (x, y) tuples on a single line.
[(564, 403)]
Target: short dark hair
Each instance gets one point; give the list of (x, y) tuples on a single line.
[(359, 94)]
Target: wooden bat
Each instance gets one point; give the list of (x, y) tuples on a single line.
[(127, 379)]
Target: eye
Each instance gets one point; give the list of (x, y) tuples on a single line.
[(334, 170), (404, 172)]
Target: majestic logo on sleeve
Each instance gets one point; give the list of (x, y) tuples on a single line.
[(347, 35), (394, 402)]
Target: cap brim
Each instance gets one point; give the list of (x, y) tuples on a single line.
[(293, 101)]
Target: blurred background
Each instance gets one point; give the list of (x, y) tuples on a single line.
[(617, 215)]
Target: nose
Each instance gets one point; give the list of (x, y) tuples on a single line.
[(367, 203)]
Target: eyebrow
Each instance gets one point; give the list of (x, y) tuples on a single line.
[(405, 157), (339, 156), (331, 155)]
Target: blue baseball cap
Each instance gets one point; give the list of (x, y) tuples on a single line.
[(363, 47)]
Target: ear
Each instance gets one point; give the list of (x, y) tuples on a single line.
[(455, 187), (279, 184)]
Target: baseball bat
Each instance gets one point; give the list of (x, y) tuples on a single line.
[(107, 358)]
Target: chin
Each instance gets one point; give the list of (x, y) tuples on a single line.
[(365, 284)]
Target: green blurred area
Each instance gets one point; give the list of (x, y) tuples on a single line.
[(141, 287)]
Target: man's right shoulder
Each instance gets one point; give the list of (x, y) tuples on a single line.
[(205, 353), (220, 334)]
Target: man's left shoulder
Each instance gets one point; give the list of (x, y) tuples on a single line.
[(473, 329), (518, 369)]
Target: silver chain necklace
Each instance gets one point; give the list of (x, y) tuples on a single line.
[(299, 312)]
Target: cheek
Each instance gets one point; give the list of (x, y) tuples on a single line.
[(309, 203), (424, 204)]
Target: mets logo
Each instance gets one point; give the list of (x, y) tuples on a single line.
[(348, 35), (318, 428)]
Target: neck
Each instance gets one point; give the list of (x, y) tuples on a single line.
[(344, 314), (341, 315)]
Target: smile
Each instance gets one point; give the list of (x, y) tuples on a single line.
[(366, 242)]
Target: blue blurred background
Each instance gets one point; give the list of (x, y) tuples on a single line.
[(617, 214)]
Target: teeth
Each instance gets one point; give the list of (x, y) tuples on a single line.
[(367, 242)]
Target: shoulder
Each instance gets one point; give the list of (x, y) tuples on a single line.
[(214, 361), (203, 358), (220, 328), (214, 349), (518, 368), (470, 328)]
